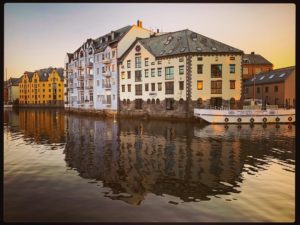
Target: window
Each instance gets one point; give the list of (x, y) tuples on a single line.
[(180, 59), (258, 90), (158, 72), (169, 86), (146, 87), (123, 88), (275, 88), (245, 70), (181, 85), (199, 85), (152, 72), (138, 75), (129, 87), (146, 73), (138, 62), (138, 103), (159, 62), (216, 70), (169, 73), (169, 103), (128, 63), (159, 86), (232, 68), (146, 61), (216, 87), (266, 89), (199, 58), (247, 90), (128, 74), (181, 69), (232, 84), (199, 68), (123, 75), (113, 54), (152, 86), (257, 70), (232, 58), (138, 89)]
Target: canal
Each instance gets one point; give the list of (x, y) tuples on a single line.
[(72, 168)]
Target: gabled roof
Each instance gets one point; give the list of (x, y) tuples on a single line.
[(255, 59), (44, 73), (12, 81), (182, 42), (273, 76)]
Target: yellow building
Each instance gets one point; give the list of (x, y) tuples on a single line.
[(43, 87)]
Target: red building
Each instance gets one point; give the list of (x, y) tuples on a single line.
[(254, 64)]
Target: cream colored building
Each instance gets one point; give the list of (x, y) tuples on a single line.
[(170, 74), (13, 89)]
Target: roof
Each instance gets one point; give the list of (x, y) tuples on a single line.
[(273, 76), (183, 41), (12, 81), (102, 42), (255, 59), (44, 73)]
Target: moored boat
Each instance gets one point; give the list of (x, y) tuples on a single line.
[(252, 114)]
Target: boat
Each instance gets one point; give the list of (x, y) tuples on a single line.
[(7, 106), (252, 112)]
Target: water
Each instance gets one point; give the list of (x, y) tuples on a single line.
[(60, 167)]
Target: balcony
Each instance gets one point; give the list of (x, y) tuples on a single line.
[(90, 87), (91, 103), (107, 86), (106, 73), (80, 77), (81, 88), (106, 61), (89, 65), (79, 67), (90, 76)]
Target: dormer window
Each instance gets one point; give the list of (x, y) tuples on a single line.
[(199, 49), (183, 49), (214, 49), (162, 52)]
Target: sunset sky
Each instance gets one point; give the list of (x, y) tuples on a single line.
[(37, 36)]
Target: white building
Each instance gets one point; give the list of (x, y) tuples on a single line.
[(92, 72), (170, 74)]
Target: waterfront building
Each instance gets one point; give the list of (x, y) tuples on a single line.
[(44, 87), (276, 87), (92, 72), (254, 64), (171, 74), (12, 87)]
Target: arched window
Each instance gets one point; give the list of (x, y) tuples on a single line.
[(157, 101), (153, 101)]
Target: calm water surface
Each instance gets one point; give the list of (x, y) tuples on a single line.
[(60, 167)]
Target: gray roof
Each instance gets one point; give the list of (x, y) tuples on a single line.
[(44, 73), (273, 76), (12, 81), (102, 42), (184, 41), (255, 59)]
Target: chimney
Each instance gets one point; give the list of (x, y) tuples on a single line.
[(252, 53), (112, 35), (139, 23)]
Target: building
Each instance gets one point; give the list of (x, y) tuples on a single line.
[(276, 87), (92, 72), (12, 86), (254, 64), (44, 87), (171, 74)]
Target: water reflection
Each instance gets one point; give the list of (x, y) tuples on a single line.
[(133, 158), (41, 126)]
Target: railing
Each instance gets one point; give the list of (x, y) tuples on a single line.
[(107, 86), (90, 76), (89, 65), (106, 61), (79, 68), (106, 74), (80, 87), (80, 77)]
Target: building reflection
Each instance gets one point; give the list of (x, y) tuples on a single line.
[(134, 158), (41, 125)]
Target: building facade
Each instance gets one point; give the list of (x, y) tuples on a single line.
[(171, 74), (12, 85), (254, 64), (276, 87), (92, 72), (43, 87)]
